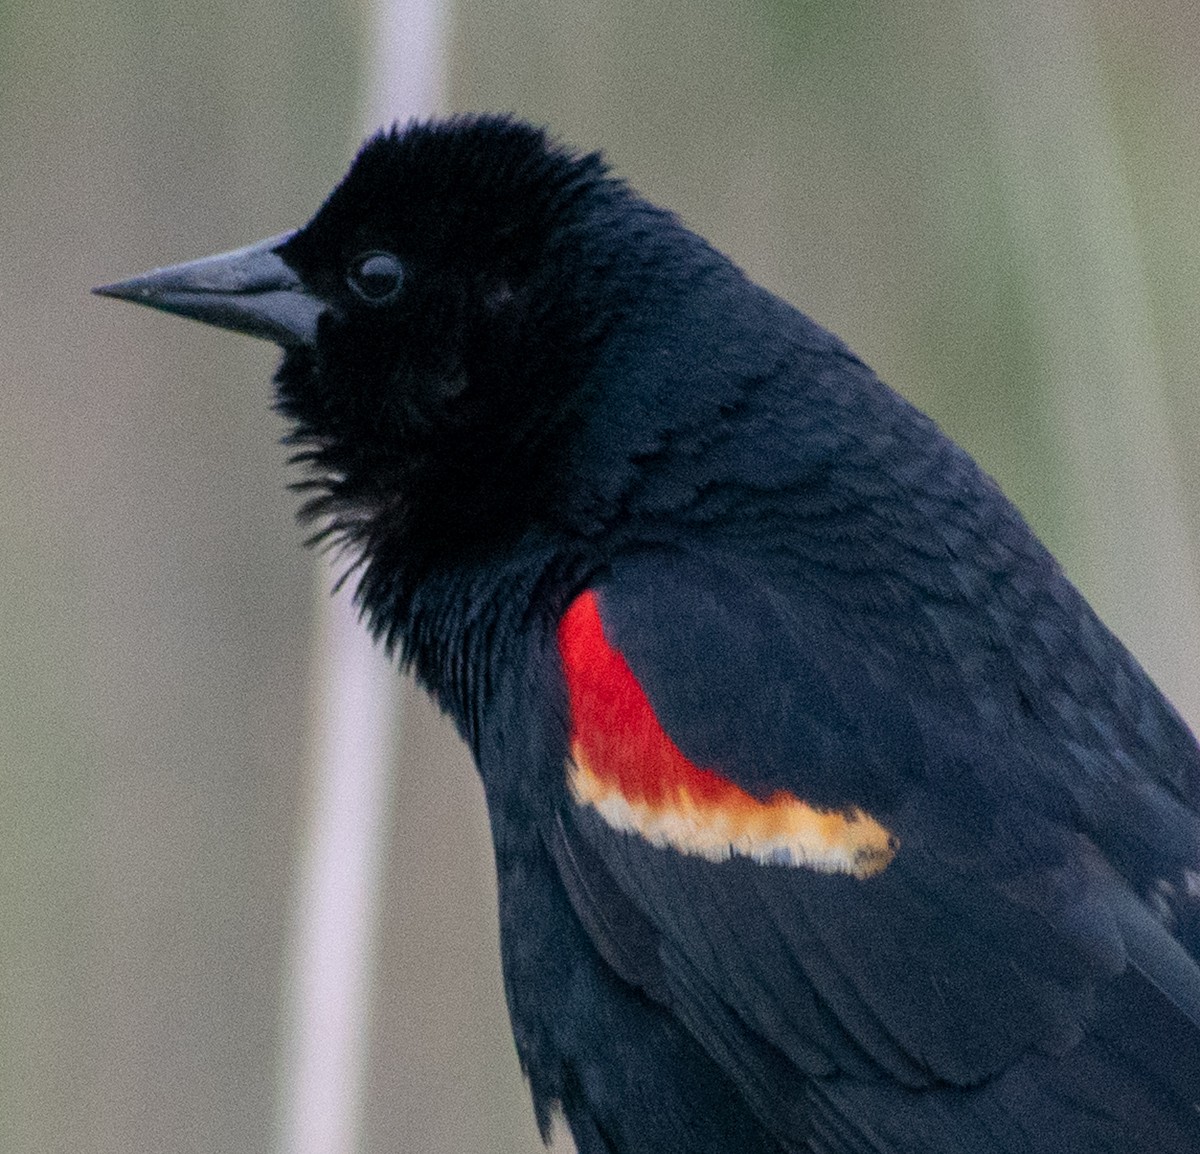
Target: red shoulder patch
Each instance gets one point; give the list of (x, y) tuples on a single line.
[(624, 765)]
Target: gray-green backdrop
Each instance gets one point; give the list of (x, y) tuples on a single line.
[(995, 203)]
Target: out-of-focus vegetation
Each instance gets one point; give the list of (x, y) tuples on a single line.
[(994, 204)]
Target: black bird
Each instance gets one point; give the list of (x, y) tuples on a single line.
[(828, 816)]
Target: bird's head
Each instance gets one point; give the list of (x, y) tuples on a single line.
[(486, 336), (440, 316)]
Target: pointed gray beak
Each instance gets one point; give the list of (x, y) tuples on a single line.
[(250, 290)]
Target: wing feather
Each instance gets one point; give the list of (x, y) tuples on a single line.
[(970, 975)]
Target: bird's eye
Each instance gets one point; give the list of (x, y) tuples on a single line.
[(376, 276)]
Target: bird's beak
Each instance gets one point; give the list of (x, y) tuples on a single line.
[(250, 290)]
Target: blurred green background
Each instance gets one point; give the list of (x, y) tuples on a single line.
[(994, 203)]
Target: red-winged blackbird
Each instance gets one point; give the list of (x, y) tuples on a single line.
[(828, 817)]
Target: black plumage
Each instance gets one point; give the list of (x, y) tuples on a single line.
[(512, 380)]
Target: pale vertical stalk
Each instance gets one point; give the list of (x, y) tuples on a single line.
[(357, 708), (407, 75)]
